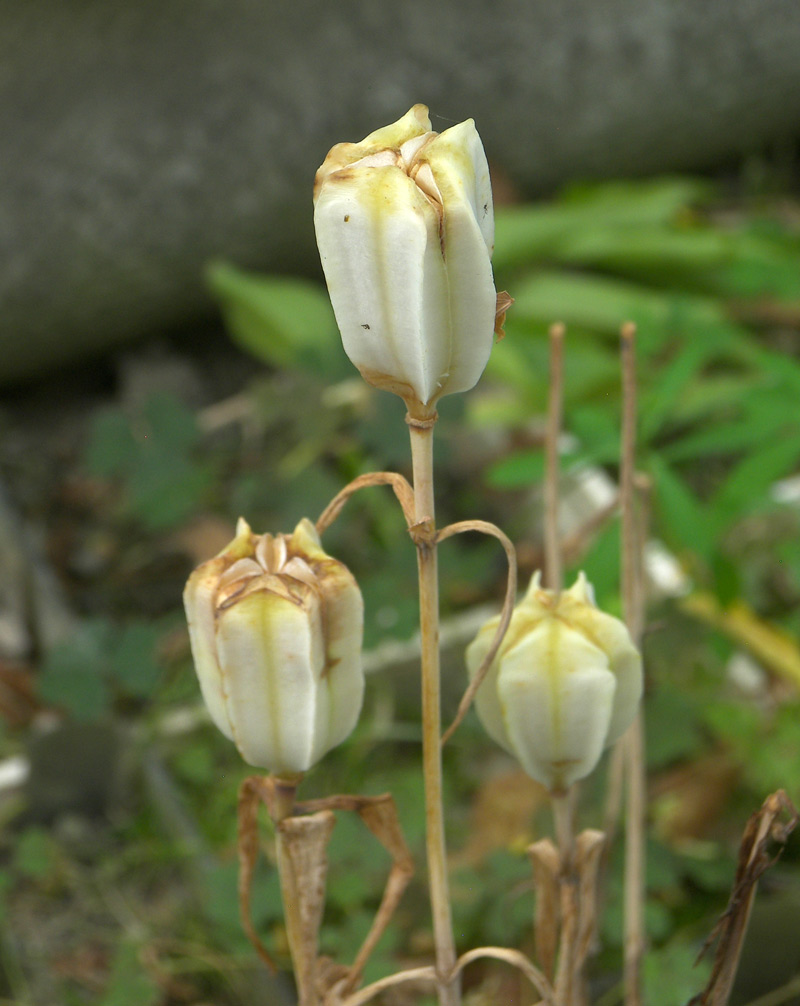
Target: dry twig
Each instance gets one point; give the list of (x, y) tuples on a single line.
[(772, 823)]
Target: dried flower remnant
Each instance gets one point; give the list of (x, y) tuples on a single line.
[(565, 683), (276, 630), (405, 228)]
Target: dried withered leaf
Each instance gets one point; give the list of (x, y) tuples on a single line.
[(772, 823), (590, 845), (303, 867), (547, 917), (253, 791), (504, 302), (379, 814)]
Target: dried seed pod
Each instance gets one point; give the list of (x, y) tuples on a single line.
[(276, 630), (565, 683), (405, 229)]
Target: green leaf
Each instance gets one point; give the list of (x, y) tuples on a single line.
[(73, 674), (763, 267), (129, 981), (776, 764), (672, 974), (163, 481), (666, 707), (660, 253), (747, 485), (711, 869), (196, 764), (597, 429), (520, 360), (727, 580), (603, 304), (35, 853), (601, 565), (133, 662), (723, 438), (170, 424), (682, 520), (658, 404), (707, 398), (516, 471), (282, 321), (221, 901), (734, 723), (591, 371), (165, 488), (111, 443), (524, 234)]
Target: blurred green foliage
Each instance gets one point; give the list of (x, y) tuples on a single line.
[(714, 290), (716, 380), (100, 662), (285, 322), (156, 456)]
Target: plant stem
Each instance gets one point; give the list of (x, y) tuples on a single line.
[(552, 541), (302, 846), (632, 544), (634, 878), (303, 962), (280, 807), (567, 989), (424, 511)]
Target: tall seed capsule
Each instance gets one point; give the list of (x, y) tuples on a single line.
[(405, 229), (276, 629), (565, 683)]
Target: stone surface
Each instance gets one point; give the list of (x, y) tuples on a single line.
[(141, 139)]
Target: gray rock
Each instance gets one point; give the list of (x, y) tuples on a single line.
[(141, 139)]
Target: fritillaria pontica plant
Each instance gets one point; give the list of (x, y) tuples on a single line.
[(405, 229)]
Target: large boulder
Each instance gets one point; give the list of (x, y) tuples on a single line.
[(141, 139)]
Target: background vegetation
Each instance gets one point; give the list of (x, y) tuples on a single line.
[(137, 904)]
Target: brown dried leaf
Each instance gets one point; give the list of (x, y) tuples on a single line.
[(504, 302), (379, 814), (589, 848), (303, 865), (547, 916), (772, 823), (251, 793)]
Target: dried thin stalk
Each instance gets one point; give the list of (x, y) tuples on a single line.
[(546, 864), (614, 793), (253, 791), (423, 532), (552, 545), (589, 855), (379, 814), (568, 979), (634, 877), (773, 822), (302, 844), (424, 974), (402, 490), (517, 960), (566, 906), (505, 616)]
